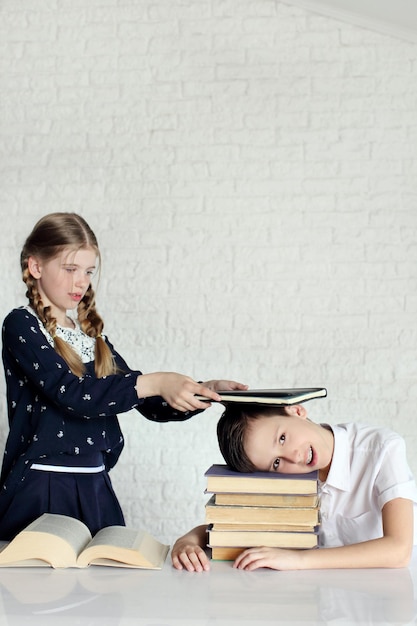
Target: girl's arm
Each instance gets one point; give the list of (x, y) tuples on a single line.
[(392, 550), (27, 351), (180, 391), (188, 551)]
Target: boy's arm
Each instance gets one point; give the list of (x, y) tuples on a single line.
[(392, 550), (188, 551)]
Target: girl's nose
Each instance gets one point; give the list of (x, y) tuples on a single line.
[(81, 279)]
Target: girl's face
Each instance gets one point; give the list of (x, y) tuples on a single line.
[(63, 280), (289, 444)]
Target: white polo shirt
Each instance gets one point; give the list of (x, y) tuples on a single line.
[(369, 468)]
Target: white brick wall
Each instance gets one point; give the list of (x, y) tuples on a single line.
[(250, 170)]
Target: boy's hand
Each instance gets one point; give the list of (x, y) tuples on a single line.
[(274, 558), (188, 552)]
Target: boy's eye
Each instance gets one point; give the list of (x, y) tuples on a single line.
[(275, 465), (282, 439)]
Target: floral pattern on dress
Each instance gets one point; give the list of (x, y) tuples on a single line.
[(51, 411)]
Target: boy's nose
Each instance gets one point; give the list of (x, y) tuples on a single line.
[(296, 457)]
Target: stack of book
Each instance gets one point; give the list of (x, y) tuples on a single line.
[(260, 509)]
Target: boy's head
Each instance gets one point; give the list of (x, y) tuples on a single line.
[(233, 427), (277, 439)]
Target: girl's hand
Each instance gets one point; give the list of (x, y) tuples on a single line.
[(225, 385), (188, 551), (180, 391), (274, 558)]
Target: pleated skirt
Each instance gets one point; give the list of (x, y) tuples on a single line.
[(87, 497)]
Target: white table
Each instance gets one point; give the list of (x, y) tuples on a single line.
[(100, 596)]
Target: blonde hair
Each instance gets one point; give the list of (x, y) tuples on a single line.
[(51, 235)]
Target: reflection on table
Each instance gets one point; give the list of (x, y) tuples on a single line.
[(223, 596)]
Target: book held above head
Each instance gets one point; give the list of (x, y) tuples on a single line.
[(273, 397)]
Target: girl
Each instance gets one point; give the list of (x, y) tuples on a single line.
[(66, 383)]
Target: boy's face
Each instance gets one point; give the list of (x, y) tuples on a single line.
[(289, 444)]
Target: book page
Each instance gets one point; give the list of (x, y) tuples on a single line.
[(118, 545), (67, 528), (52, 539), (119, 536)]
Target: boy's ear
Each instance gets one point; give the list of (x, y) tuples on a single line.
[(296, 410), (34, 267)]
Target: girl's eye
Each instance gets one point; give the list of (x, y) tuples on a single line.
[(275, 465), (282, 439)]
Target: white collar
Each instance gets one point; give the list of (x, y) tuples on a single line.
[(339, 475)]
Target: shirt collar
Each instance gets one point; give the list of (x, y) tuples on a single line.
[(339, 472)]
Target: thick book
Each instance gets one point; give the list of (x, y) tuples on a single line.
[(269, 538), (220, 478), (266, 499), (230, 553), (260, 515), (60, 541), (274, 397), (225, 553), (305, 528)]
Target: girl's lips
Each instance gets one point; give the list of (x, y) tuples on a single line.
[(75, 296)]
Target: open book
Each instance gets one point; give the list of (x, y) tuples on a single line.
[(274, 397), (62, 541)]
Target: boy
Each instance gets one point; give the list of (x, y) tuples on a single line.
[(367, 491)]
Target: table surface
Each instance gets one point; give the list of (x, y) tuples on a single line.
[(223, 596)]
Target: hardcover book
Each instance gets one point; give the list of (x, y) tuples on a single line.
[(260, 515), (228, 553), (303, 528), (266, 499), (221, 479), (274, 397), (61, 541), (269, 538)]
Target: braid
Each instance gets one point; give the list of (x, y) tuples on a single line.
[(44, 314), (92, 324), (90, 321)]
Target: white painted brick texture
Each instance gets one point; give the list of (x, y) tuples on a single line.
[(250, 171)]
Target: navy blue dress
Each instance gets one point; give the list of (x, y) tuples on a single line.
[(59, 419)]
